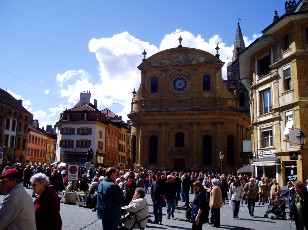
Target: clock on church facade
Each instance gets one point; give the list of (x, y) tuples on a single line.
[(183, 116)]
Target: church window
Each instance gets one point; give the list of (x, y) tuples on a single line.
[(206, 83), (242, 99), (207, 150), (153, 149), (230, 150), (179, 140), (154, 84)]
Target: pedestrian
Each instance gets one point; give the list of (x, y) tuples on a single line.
[(157, 193), (129, 188), (47, 204), (251, 193), (275, 190), (215, 203), (170, 192), (299, 208), (262, 190), (16, 210), (109, 200), (236, 193), (186, 183), (138, 211), (198, 206), (27, 173)]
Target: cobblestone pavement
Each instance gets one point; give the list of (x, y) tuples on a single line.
[(75, 218)]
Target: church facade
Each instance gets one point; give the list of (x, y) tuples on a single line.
[(183, 116)]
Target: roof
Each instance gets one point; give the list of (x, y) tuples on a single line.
[(180, 56), (8, 99), (84, 107)]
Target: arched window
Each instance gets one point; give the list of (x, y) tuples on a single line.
[(206, 83), (179, 140), (153, 149), (230, 150), (207, 150), (154, 84), (242, 99)]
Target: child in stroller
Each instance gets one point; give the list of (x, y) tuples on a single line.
[(278, 208)]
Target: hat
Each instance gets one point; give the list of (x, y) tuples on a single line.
[(10, 173)]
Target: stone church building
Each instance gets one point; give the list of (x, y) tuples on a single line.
[(183, 116)]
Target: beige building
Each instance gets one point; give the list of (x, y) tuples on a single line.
[(275, 70), (183, 115), (14, 122)]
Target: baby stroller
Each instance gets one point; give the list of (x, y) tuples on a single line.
[(277, 208)]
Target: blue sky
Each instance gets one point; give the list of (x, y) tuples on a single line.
[(50, 51)]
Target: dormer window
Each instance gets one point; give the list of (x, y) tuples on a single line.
[(85, 116), (68, 116)]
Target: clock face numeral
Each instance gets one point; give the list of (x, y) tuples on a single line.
[(179, 84)]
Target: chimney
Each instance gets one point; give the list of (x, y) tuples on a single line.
[(95, 103), (36, 124), (20, 102), (276, 16), (85, 97)]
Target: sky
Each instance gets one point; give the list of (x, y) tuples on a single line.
[(51, 51)]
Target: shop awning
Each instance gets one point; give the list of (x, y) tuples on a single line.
[(266, 161), (246, 168)]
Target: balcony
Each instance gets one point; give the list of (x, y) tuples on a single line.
[(265, 110)]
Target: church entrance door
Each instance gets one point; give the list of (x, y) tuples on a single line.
[(179, 164)]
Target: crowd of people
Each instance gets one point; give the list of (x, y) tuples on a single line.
[(118, 196)]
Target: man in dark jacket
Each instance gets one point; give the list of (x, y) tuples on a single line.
[(170, 191), (109, 200), (157, 193), (186, 183)]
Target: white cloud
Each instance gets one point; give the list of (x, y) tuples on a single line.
[(25, 103), (47, 91)]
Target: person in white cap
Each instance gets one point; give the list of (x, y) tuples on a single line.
[(17, 209)]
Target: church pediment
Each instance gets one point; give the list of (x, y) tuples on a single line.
[(180, 57)]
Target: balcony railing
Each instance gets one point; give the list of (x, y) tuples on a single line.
[(264, 110)]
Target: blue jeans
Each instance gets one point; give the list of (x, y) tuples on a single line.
[(170, 207), (110, 225), (178, 196), (251, 206), (235, 208), (158, 211)]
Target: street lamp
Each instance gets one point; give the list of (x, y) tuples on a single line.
[(221, 157)]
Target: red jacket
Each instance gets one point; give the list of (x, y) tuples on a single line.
[(47, 210)]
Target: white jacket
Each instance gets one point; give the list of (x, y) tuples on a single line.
[(141, 212), (17, 210), (236, 193)]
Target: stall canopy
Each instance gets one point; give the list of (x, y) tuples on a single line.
[(266, 161), (246, 168)]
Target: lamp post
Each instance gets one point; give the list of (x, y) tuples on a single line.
[(221, 157)]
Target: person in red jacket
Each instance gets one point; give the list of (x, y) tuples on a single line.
[(47, 204)]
